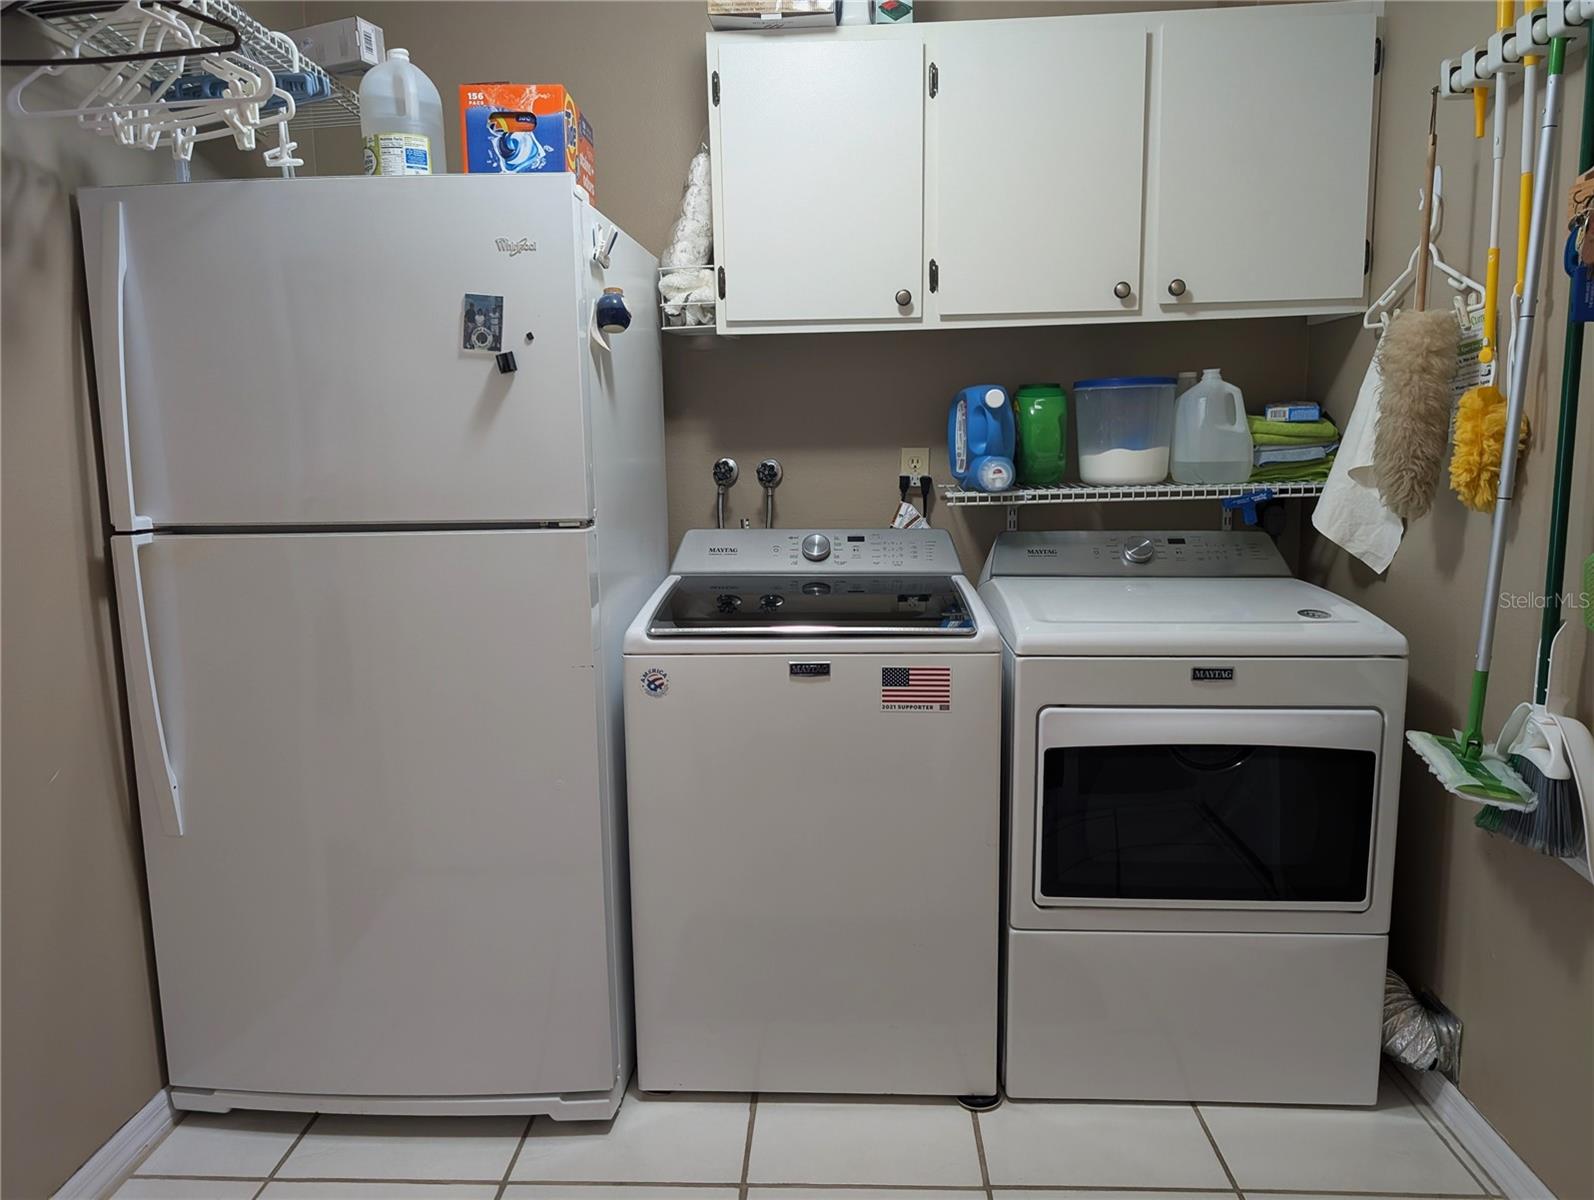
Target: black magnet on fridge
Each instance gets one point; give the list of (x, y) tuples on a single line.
[(506, 362)]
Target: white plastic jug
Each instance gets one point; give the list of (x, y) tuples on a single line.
[(401, 119), (1211, 437)]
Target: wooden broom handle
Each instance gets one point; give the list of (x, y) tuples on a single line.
[(1426, 241)]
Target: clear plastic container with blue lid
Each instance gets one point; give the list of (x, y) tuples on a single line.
[(1125, 428)]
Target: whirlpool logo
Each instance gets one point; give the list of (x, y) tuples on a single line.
[(512, 248)]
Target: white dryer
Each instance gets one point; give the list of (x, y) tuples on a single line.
[(813, 742), (1204, 764)]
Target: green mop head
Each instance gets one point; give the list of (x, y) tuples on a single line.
[(1478, 775)]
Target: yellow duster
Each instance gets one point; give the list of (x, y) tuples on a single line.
[(1479, 439)]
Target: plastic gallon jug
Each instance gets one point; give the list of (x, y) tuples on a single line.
[(1040, 412), (401, 119), (1125, 428), (1211, 437), (980, 438)]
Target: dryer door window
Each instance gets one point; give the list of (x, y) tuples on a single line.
[(1221, 808)]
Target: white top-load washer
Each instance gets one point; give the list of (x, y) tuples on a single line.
[(813, 739), (1204, 766)]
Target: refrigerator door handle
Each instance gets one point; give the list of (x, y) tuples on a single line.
[(151, 759), (110, 360)]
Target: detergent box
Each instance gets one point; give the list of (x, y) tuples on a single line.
[(517, 128)]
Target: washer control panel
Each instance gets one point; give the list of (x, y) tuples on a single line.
[(1194, 554), (816, 551)]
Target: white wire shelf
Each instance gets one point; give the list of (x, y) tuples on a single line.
[(689, 316), (1087, 493), (67, 21)]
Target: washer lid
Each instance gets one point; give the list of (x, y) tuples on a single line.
[(1199, 618), (812, 605), (1136, 554)]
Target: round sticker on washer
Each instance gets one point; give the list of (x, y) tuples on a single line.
[(1315, 614), (655, 682)]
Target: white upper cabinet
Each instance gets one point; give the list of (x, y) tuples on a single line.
[(819, 179), (1261, 156), (1035, 187), (1110, 167)]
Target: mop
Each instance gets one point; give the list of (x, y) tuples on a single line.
[(1462, 763), (1417, 360)]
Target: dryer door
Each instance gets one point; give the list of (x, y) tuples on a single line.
[(1225, 808)]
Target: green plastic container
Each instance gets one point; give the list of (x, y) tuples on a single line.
[(1041, 412)]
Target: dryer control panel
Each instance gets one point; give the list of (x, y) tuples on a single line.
[(1148, 554), (816, 551)]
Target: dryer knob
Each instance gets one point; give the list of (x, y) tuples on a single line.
[(1139, 552), (816, 547)]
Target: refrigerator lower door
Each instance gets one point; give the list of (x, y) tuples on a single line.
[(322, 351), (392, 874)]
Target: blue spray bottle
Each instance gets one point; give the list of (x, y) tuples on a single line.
[(981, 438)]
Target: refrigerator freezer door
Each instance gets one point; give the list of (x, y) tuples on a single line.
[(291, 352), (391, 874)]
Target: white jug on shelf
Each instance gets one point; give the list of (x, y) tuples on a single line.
[(1211, 437), (401, 119)]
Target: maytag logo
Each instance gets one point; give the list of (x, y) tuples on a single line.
[(722, 549), (809, 670), (1041, 551), (523, 246), (1211, 674)]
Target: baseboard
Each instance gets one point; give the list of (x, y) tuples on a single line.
[(1514, 1177), (108, 1165)]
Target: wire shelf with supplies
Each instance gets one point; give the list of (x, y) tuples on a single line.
[(688, 299), (1087, 493), (172, 73)]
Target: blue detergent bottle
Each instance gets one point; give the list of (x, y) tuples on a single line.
[(981, 438)]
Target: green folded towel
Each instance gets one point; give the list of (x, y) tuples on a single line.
[(1292, 433), (1294, 472)]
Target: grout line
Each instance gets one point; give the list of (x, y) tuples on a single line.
[(1420, 1103), (979, 1149), (1222, 1162), (219, 1178), (503, 1184), (1380, 1194), (266, 1182), (747, 1150), (1017, 1189)]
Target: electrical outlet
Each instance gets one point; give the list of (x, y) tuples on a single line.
[(915, 461)]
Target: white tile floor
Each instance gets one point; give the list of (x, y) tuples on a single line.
[(794, 1148)]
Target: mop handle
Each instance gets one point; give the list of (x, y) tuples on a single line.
[(1548, 130), (1420, 302), (1566, 445), (1491, 277)]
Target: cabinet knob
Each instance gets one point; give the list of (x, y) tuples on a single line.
[(1122, 289), (1176, 287), (904, 298)]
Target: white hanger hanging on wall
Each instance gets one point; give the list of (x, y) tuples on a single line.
[(1468, 291)]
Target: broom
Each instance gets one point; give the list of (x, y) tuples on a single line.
[(1417, 360), (1462, 763)]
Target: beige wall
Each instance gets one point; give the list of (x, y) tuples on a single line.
[(1505, 937), (81, 1043)]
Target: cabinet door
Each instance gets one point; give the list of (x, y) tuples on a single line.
[(1037, 128), (821, 167), (1263, 147)]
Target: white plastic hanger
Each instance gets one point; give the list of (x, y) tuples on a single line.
[(1469, 292)]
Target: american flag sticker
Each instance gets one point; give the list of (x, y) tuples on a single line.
[(916, 689)]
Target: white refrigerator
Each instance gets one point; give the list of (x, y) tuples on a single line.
[(371, 590)]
